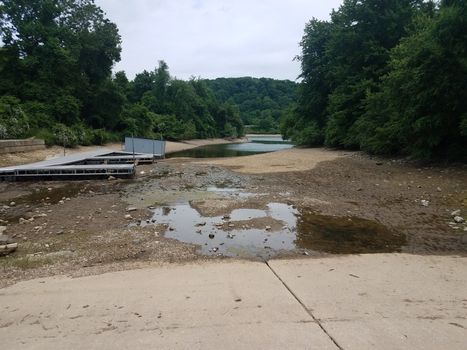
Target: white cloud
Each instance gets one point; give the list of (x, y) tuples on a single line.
[(214, 38)]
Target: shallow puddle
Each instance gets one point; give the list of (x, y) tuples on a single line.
[(275, 230), (346, 235)]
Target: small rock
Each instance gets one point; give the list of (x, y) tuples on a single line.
[(8, 248), (142, 172), (61, 201), (68, 199), (459, 219), (456, 213), (231, 225), (199, 231), (215, 249), (201, 224), (425, 203), (226, 217), (49, 189), (128, 217), (2, 229), (131, 209), (438, 189), (211, 235), (268, 228), (12, 204), (111, 178), (22, 221)]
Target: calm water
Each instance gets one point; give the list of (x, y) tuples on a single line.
[(256, 145)]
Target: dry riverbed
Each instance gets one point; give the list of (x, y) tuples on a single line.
[(285, 204)]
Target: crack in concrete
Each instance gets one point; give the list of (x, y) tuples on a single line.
[(318, 322)]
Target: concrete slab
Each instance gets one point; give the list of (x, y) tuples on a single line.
[(233, 305), (387, 301)]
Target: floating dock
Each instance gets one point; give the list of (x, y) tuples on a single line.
[(96, 164)]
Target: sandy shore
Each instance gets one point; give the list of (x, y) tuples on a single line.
[(293, 159)]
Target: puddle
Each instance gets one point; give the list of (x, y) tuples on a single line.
[(346, 235), (279, 228)]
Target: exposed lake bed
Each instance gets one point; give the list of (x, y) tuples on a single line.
[(189, 209)]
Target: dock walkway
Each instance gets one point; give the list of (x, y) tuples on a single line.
[(101, 163)]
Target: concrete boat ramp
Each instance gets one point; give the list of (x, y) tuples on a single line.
[(381, 301), (95, 164)]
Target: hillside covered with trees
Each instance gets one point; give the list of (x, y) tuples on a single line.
[(56, 61), (261, 102), (387, 77)]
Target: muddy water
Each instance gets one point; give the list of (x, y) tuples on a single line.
[(280, 228)]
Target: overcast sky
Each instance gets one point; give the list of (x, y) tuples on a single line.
[(214, 38)]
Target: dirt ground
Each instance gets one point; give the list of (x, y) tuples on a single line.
[(90, 227)]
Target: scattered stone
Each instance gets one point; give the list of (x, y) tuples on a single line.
[(61, 201), (268, 228), (128, 217), (425, 203), (68, 199), (130, 209), (456, 213), (12, 204), (459, 219)]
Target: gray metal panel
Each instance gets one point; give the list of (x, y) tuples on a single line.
[(133, 144)]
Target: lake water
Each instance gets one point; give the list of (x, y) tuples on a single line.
[(256, 144)]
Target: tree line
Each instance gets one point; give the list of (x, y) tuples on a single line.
[(56, 82), (387, 77), (261, 102)]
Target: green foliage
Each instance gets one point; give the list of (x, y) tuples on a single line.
[(388, 77), (257, 99), (13, 121)]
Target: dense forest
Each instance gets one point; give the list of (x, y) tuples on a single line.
[(261, 102), (387, 77), (56, 83)]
